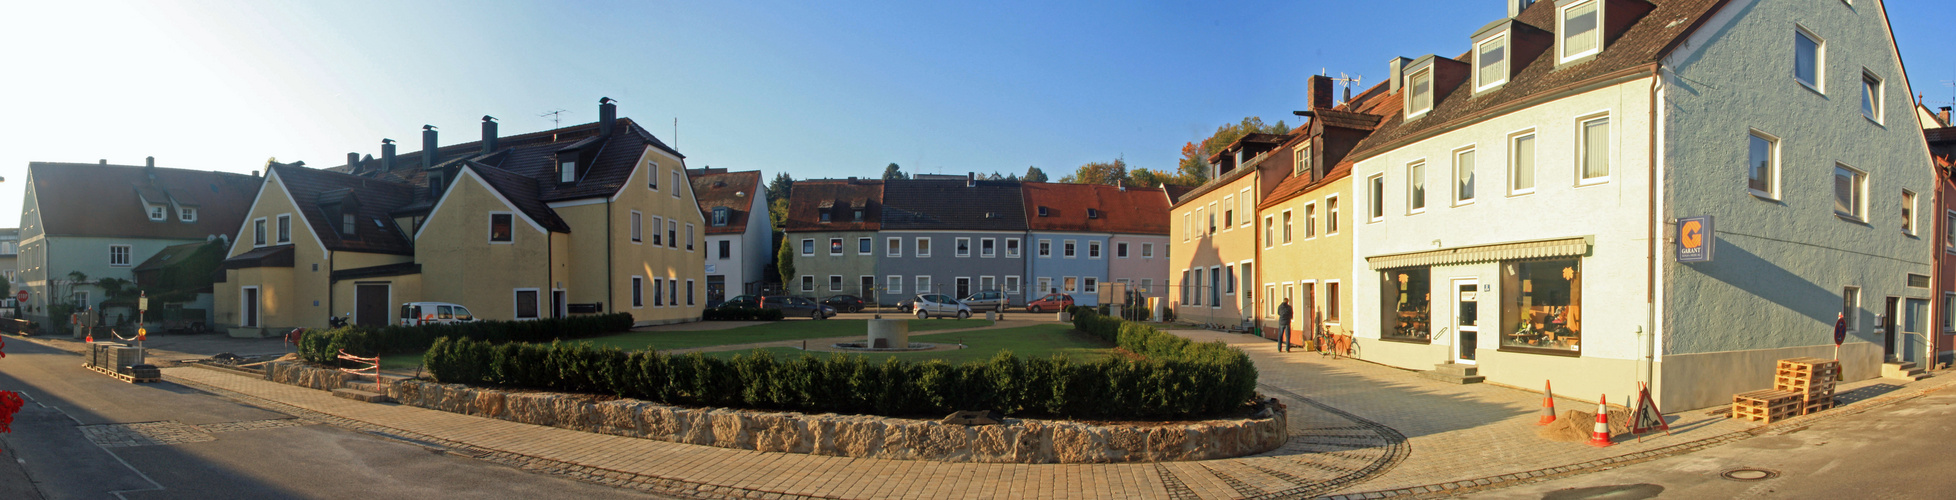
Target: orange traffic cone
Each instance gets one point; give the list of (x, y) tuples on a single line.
[(1601, 436), (1548, 404)]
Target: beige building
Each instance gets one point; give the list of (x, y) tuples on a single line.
[(592, 218), (1213, 240)]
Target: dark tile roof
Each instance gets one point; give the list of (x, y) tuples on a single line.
[(810, 197), (522, 192), (169, 255), (734, 190), (272, 256), (1126, 211), (88, 199), (532, 155), (949, 205), (378, 199), (1635, 50)]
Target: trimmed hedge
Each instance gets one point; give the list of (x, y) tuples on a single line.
[(740, 314), (323, 346), (1177, 380)]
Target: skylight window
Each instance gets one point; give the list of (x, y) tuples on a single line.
[(1581, 30)]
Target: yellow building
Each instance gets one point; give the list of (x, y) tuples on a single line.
[(592, 218), (1213, 240)]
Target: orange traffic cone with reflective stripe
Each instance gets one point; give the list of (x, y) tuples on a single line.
[(1548, 404), (1601, 436)]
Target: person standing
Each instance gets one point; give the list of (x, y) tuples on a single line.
[(1283, 326)]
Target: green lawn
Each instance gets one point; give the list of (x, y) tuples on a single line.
[(1029, 341), (767, 332)]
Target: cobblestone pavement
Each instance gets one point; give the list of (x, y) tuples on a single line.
[(173, 432)]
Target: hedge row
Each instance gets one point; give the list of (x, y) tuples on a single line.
[(323, 346), (1177, 380), (740, 314)]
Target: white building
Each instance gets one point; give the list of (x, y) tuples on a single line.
[(1520, 210), (738, 232)]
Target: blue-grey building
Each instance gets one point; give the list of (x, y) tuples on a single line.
[(955, 237)]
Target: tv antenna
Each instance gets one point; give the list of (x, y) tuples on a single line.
[(1348, 81), (556, 118)]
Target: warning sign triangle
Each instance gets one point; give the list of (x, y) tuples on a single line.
[(1647, 418)]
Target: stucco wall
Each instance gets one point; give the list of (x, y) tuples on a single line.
[(1134, 267), (289, 297), (943, 265), (1319, 260), (1191, 248), (851, 265), (684, 262), (1058, 266), (459, 264)]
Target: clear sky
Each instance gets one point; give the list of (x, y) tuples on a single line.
[(816, 89)]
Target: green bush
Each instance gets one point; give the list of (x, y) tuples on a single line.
[(740, 314), (1178, 379), (323, 346)]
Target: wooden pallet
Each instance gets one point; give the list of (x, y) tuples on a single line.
[(1802, 385), (1808, 367), (1816, 406), (122, 377), (1766, 406)]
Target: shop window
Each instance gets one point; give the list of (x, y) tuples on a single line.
[(1406, 304), (1541, 305)]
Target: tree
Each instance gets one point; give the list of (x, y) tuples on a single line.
[(1108, 173), (893, 172), (782, 187), (1193, 169), (784, 261), (1033, 174), (777, 213), (6, 286), (1142, 177)]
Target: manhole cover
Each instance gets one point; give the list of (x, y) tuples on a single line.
[(1750, 474)]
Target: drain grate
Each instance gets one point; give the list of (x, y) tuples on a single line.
[(1748, 474)]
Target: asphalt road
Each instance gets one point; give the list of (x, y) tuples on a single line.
[(85, 435), (1901, 451)]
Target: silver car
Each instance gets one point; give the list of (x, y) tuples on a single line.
[(985, 301), (940, 305)]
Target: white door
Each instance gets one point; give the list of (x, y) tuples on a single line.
[(1466, 319)]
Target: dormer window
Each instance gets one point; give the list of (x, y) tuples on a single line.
[(1303, 167), (1093, 213), (156, 212), (859, 215), (1581, 28), (1043, 212), (1491, 63), (720, 216), (567, 171), (435, 185), (348, 224), (825, 212), (187, 214), (1420, 93)]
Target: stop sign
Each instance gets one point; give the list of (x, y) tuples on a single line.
[(22, 296)]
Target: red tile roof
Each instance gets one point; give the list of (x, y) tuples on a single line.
[(720, 188), (1129, 211), (88, 199), (813, 195)]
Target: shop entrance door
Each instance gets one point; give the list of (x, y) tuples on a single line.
[(1888, 330), (1466, 313), (1914, 341)]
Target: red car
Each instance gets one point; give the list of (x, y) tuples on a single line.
[(1051, 302)]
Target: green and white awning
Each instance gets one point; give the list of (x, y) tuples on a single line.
[(1564, 247)]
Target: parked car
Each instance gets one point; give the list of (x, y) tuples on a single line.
[(939, 305), (1051, 302), (795, 307), (844, 303), (434, 313), (986, 301), (747, 301)]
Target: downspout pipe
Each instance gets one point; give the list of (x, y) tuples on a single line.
[(1651, 222)]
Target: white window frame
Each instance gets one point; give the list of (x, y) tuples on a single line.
[(261, 234), (658, 231), (638, 228), (1878, 97), (638, 292), (1120, 250), (675, 182), (1773, 170), (1416, 179), (1412, 82), (1270, 306), (1229, 212), (923, 284), (1514, 162), (1045, 286), (489, 227), (1301, 160), (692, 291), (893, 246), (1310, 221), (865, 246), (988, 247), (1011, 284), (652, 180), (961, 247), (893, 283), (1070, 249), (1147, 250), (1859, 189), (807, 283), (987, 283), (282, 230), (689, 236), (836, 247), (1093, 250), (1909, 212), (923, 246), (1507, 55), (1328, 302), (1284, 220), (1949, 231), (1853, 314), (1188, 226), (1013, 247), (1089, 284), (1582, 147), (257, 315), (808, 247), (1270, 231), (1561, 41), (835, 283), (1819, 83), (1375, 190), (515, 302), (1331, 214), (128, 254), (672, 233), (187, 214), (1247, 212), (1456, 186), (1229, 280), (158, 212), (1069, 284), (1948, 312)]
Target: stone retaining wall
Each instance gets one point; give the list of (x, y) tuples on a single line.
[(1014, 441)]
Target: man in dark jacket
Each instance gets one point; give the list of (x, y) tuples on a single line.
[(1283, 326)]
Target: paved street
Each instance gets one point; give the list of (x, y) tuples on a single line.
[(85, 435)]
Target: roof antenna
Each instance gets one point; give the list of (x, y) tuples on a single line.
[(556, 118), (675, 132), (1349, 81)]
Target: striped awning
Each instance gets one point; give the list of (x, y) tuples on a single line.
[(1565, 247)]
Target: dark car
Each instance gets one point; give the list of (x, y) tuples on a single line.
[(1051, 302), (747, 301), (797, 307), (844, 303)]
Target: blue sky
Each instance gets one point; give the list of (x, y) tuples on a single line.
[(816, 89)]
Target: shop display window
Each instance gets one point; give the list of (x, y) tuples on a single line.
[(1406, 304), (1541, 306)]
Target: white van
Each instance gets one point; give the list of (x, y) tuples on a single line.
[(434, 313)]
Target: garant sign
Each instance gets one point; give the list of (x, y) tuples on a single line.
[(1695, 239)]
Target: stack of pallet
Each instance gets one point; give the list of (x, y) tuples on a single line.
[(1766, 406), (1811, 378)]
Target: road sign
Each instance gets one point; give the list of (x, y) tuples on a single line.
[(21, 296), (1695, 239), (142, 303), (1840, 329)]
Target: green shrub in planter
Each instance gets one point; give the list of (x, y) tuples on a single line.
[(323, 346)]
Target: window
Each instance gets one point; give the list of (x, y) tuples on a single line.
[(658, 292), (1331, 215), (1405, 308), (858, 215), (1045, 248), (638, 291), (1229, 279), (527, 304), (1185, 285), (1269, 231), (988, 247), (672, 233), (1420, 88), (1303, 166), (1290, 291), (672, 291), (822, 215), (807, 283), (1376, 193), (1310, 220), (726, 249), (1270, 308), (691, 291), (835, 283), (1147, 285), (1092, 284), (1851, 307), (923, 285), (689, 236), (1011, 284), (1948, 311), (1521, 163), (1917, 280), (1012, 248), (1871, 92), (500, 230), (156, 212), (1762, 165), (1229, 212), (1463, 177), (720, 216), (962, 247), (347, 225), (1491, 63), (807, 247), (1581, 35), (835, 246), (1949, 231), (1046, 285), (1188, 226), (1068, 249), (1093, 249), (1543, 300), (567, 171), (1849, 187), (1286, 217), (1120, 250), (1044, 212), (894, 282), (258, 232), (638, 227), (1215, 287), (863, 247), (1331, 302), (1197, 285), (1248, 210), (1212, 222), (1807, 53), (119, 255), (675, 182), (1908, 212), (1416, 185), (285, 228), (1594, 156), (1071, 284), (187, 214), (658, 222), (1147, 250), (652, 177), (987, 283), (893, 247), (923, 247)]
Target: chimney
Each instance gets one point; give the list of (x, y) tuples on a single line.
[(1319, 87), (430, 146), (607, 113), (488, 134), (353, 163), (150, 162), (1396, 70), (1944, 115), (386, 155), (970, 179), (104, 161)]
